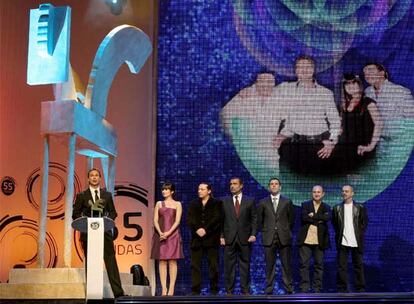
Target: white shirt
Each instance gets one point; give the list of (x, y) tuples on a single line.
[(253, 121), (263, 114), (239, 197), (277, 197), (309, 110), (93, 192), (348, 237), (394, 103)]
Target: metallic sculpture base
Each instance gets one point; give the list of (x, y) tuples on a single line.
[(64, 285)]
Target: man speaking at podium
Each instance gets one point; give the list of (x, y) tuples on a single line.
[(96, 202)]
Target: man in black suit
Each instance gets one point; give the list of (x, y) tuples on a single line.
[(82, 207), (276, 217), (239, 230), (350, 221), (313, 238), (204, 220)]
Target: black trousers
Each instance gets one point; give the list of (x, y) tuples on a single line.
[(285, 253), (301, 154), (196, 261), (233, 252), (305, 254), (358, 267), (110, 263)]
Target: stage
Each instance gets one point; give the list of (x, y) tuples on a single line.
[(390, 297), (194, 92)]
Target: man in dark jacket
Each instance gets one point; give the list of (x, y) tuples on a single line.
[(204, 220), (313, 238), (350, 221), (82, 207), (239, 229), (276, 217)]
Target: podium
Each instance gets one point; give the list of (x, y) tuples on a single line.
[(95, 227)]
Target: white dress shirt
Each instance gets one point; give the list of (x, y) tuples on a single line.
[(310, 109), (93, 192), (277, 197), (253, 121), (394, 103), (239, 197)]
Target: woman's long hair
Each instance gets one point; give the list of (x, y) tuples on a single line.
[(346, 98)]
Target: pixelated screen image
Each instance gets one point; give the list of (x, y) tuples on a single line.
[(311, 92)]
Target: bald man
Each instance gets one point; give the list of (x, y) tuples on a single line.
[(313, 239), (350, 221)]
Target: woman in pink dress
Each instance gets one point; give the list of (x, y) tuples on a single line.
[(166, 242)]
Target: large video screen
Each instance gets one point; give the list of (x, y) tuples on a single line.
[(311, 92)]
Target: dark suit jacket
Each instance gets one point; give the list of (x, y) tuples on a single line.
[(208, 218), (82, 207), (245, 225), (360, 219), (280, 223), (319, 219)]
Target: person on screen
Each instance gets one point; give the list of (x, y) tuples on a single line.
[(312, 125), (82, 207), (251, 119), (313, 239), (204, 220), (276, 218), (350, 221), (394, 101), (167, 245), (238, 233), (395, 104), (361, 126)]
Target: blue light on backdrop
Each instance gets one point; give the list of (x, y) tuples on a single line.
[(209, 51)]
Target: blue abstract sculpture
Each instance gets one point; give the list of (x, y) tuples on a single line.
[(82, 123)]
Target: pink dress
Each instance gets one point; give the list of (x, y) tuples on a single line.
[(172, 247)]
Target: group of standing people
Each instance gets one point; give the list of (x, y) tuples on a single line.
[(234, 222), (300, 123)]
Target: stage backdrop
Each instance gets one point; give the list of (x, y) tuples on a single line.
[(210, 50), (130, 111)]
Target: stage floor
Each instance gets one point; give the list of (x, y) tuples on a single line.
[(406, 297), (295, 298)]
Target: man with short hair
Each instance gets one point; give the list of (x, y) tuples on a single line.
[(82, 207), (251, 119), (313, 239), (394, 101), (276, 217), (204, 220), (350, 221), (312, 125), (239, 228)]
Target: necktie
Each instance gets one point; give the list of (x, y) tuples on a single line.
[(237, 205), (96, 196), (275, 203)]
